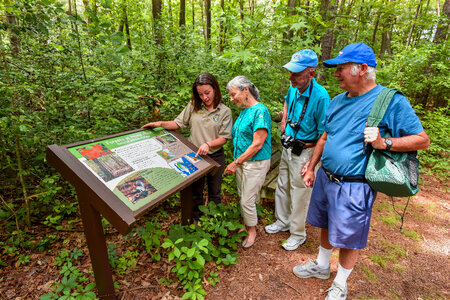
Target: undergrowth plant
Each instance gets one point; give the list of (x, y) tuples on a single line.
[(151, 238), (215, 238), (72, 283)]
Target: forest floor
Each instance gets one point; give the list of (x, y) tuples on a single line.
[(413, 264)]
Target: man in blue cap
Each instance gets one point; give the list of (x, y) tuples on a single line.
[(341, 201), (301, 126)]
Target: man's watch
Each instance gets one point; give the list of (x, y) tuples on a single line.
[(388, 143), (236, 161)]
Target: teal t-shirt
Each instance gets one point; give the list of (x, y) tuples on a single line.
[(251, 119), (311, 127)]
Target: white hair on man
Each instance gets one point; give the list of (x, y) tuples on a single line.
[(370, 74)]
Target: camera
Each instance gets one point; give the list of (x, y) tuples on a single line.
[(294, 125), (286, 141), (298, 146)]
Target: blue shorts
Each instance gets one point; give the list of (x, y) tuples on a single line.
[(344, 209)]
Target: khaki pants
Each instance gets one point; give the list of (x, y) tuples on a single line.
[(250, 177), (291, 195)]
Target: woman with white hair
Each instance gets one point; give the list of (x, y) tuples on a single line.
[(252, 149)]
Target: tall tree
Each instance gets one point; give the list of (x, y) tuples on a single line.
[(221, 29), (156, 12), (14, 38), (208, 21), (291, 12), (387, 28), (413, 25), (441, 34), (328, 10), (182, 22), (124, 23)]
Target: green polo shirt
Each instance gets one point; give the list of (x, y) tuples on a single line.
[(206, 125)]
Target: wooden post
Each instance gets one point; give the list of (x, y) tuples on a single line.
[(96, 242), (187, 205)]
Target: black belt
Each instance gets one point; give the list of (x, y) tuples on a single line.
[(337, 179)]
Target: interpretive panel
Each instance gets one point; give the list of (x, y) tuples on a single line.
[(140, 166)]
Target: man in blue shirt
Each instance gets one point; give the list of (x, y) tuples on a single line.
[(304, 111), (341, 201)]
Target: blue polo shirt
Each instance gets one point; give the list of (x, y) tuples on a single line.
[(311, 127), (251, 119), (345, 122)]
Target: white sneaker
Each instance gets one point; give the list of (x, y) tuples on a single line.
[(275, 227), (293, 243), (337, 292)]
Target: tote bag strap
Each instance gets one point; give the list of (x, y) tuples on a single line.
[(380, 106)]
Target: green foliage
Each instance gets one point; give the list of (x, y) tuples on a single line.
[(126, 261), (412, 234), (369, 274), (121, 264), (192, 247), (71, 284), (436, 158), (151, 238), (265, 214)]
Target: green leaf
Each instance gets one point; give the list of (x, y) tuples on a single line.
[(190, 252), (176, 251), (200, 260)]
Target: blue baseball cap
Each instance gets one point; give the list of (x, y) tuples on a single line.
[(301, 60), (357, 53)]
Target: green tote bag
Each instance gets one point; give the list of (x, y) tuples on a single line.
[(395, 174)]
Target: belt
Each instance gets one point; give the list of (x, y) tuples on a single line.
[(312, 143), (337, 179)]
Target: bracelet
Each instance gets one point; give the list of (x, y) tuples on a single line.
[(209, 146)]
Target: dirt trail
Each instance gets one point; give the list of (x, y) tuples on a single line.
[(409, 265)]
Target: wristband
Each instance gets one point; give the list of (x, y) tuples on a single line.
[(209, 146)]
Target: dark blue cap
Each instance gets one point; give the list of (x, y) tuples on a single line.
[(301, 60), (356, 53)]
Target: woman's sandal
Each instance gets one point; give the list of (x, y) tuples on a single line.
[(247, 244)]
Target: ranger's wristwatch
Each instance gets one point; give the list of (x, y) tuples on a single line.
[(388, 143)]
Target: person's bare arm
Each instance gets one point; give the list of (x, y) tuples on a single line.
[(171, 125), (414, 142), (259, 136), (308, 174), (284, 118), (204, 148)]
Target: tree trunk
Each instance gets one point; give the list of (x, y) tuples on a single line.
[(156, 12), (221, 30), (87, 8), (14, 39), (441, 34), (386, 32), (359, 22), (291, 11), (127, 27), (182, 22), (208, 21), (374, 35), (241, 9), (413, 25), (193, 14), (328, 13)]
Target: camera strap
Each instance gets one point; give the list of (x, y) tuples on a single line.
[(305, 105)]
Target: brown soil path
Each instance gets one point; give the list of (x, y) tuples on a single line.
[(413, 264)]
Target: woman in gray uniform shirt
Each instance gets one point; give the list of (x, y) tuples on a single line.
[(210, 123)]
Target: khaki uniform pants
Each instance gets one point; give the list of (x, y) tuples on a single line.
[(250, 177), (291, 195)]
